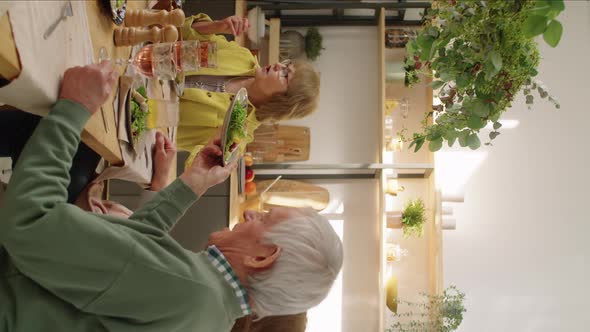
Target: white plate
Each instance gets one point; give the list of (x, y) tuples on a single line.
[(257, 27), (242, 98)]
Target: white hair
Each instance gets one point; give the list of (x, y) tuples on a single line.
[(310, 259)]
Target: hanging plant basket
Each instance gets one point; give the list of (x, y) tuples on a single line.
[(481, 54), (313, 43)]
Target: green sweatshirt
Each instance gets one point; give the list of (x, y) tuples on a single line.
[(63, 269)]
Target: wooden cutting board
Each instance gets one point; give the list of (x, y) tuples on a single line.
[(280, 143), (287, 193)]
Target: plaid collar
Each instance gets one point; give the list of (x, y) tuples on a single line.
[(222, 265)]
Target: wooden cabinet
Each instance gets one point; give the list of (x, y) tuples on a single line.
[(421, 270)]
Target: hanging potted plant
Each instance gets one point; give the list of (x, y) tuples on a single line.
[(412, 219), (481, 54), (441, 313), (313, 43)]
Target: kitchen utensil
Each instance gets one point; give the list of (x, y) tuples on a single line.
[(292, 193), (280, 143), (66, 12), (257, 27), (262, 194)]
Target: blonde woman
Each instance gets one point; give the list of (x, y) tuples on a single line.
[(287, 90)]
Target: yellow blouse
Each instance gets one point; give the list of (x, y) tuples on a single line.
[(201, 111)]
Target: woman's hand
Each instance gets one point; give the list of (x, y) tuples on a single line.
[(206, 169), (164, 153), (235, 25), (89, 86), (232, 25)]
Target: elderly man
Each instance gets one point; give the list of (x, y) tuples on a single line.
[(66, 269)]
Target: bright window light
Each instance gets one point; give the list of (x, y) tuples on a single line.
[(506, 124), (327, 316), (454, 168)]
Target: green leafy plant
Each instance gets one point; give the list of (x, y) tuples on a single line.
[(411, 74), (482, 53), (413, 218), (542, 21), (436, 313), (313, 43)]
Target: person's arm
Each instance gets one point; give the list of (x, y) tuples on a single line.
[(201, 27), (56, 244), (205, 172), (39, 181), (146, 196), (83, 258), (230, 25), (163, 155)]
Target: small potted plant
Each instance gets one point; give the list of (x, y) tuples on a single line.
[(412, 219), (441, 313), (313, 43)]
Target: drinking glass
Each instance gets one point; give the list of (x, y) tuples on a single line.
[(193, 54), (152, 61), (103, 54), (190, 56), (165, 60), (156, 61), (187, 55), (208, 55)]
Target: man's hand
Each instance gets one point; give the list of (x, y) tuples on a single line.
[(89, 86), (164, 153), (207, 170)]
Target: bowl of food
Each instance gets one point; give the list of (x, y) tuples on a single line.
[(234, 127), (257, 27)]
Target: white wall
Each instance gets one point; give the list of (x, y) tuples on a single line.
[(343, 129), (521, 248)]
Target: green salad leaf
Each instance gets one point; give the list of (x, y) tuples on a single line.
[(235, 129), (138, 117), (119, 3)]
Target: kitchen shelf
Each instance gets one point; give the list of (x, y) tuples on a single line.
[(427, 250), (344, 170)]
